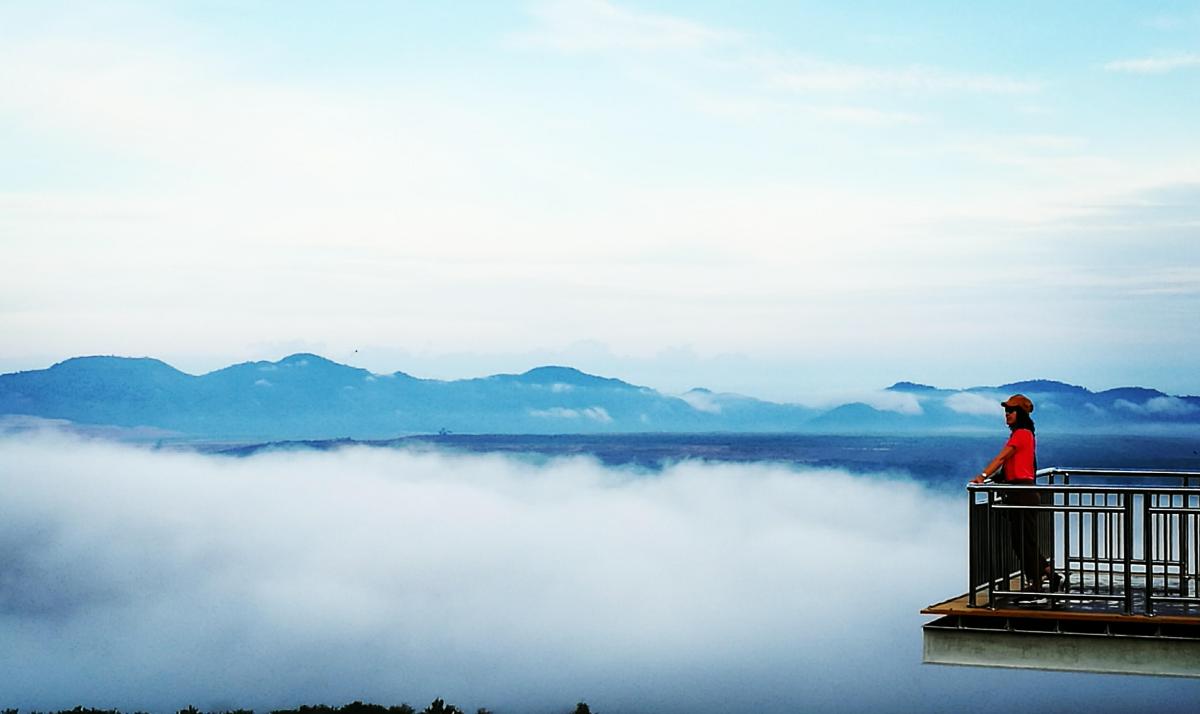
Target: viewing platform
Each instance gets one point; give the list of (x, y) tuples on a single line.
[(1126, 548)]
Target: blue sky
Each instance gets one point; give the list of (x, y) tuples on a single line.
[(783, 199)]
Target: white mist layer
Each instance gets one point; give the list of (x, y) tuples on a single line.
[(151, 580)]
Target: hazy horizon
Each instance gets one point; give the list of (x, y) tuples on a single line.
[(816, 397), (776, 199)]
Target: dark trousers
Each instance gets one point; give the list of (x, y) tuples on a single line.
[(1023, 531)]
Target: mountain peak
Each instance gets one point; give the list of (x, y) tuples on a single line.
[(556, 374), (1043, 386), (1131, 393), (111, 363), (303, 359), (911, 387)]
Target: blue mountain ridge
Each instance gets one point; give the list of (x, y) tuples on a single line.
[(306, 396)]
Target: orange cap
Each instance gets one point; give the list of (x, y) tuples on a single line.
[(1020, 401)]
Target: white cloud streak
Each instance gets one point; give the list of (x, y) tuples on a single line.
[(811, 74), (899, 402), (596, 25), (701, 401), (1159, 64), (867, 116), (599, 26), (971, 403), (599, 414), (1159, 406)]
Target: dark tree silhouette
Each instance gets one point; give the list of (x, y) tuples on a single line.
[(437, 706)]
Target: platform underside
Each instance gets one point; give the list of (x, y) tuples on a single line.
[(1068, 645), (1030, 631)]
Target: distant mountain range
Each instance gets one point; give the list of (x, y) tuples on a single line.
[(305, 396)]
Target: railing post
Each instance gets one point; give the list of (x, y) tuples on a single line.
[(1182, 536), (1066, 534), (1148, 548), (1127, 556), (989, 555), (972, 548)]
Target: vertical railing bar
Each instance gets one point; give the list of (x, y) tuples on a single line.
[(1155, 532), (1095, 555), (1083, 545), (1173, 538), (1019, 546), (1168, 551), (1101, 542), (1107, 520), (989, 549), (972, 547), (1160, 537), (1127, 546), (1148, 548), (1067, 531), (1112, 537), (1060, 498), (1185, 546)]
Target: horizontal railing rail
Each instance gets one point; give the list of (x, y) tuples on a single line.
[(1130, 541), (1186, 478)]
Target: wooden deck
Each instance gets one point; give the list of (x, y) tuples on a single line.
[(1064, 608)]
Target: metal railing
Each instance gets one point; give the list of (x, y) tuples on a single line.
[(1120, 540)]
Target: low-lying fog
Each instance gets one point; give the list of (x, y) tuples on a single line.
[(152, 580)]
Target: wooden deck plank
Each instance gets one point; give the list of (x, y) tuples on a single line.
[(1060, 610), (959, 606)]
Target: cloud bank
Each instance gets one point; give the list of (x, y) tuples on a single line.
[(150, 580)]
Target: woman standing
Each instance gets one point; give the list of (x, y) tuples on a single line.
[(1016, 464)]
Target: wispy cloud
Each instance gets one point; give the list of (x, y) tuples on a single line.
[(867, 116), (899, 402), (1158, 64), (599, 26), (1168, 406), (1173, 22), (596, 25), (812, 74), (1164, 22), (701, 401), (598, 414), (883, 400), (971, 403), (1045, 154)]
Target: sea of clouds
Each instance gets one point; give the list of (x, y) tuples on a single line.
[(141, 579)]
